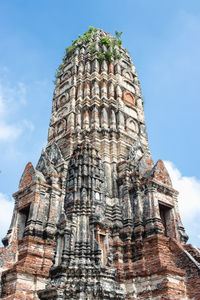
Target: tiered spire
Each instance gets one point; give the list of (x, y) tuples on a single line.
[(111, 188), (96, 193)]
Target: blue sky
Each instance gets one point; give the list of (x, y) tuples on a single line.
[(163, 38)]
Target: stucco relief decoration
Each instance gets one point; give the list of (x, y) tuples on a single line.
[(27, 176), (136, 152), (129, 98)]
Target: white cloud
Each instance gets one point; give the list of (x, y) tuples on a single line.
[(11, 100), (8, 131), (21, 92), (189, 192), (29, 125), (6, 210), (189, 199)]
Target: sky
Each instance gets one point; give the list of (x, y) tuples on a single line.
[(163, 38)]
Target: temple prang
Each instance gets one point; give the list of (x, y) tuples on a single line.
[(97, 218)]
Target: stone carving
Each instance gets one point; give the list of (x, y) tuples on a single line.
[(49, 159), (136, 152), (42, 163), (129, 98), (54, 153), (97, 219), (53, 119)]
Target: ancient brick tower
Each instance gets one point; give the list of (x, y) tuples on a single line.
[(96, 219)]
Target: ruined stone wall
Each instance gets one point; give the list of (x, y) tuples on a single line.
[(96, 218)]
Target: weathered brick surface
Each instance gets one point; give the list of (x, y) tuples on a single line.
[(97, 219), (27, 176)]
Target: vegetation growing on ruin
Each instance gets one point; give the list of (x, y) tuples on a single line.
[(110, 44), (85, 38)]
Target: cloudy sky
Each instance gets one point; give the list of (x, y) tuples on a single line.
[(163, 38)]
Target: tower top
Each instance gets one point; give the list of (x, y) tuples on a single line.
[(99, 42), (96, 35), (98, 95)]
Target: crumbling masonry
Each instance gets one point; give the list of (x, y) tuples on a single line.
[(97, 219)]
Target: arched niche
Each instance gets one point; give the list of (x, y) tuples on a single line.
[(61, 126), (67, 75), (127, 74), (132, 125), (62, 99), (129, 98)]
